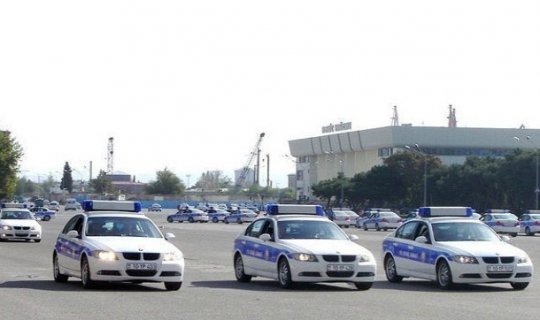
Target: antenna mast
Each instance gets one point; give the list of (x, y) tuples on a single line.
[(395, 118)]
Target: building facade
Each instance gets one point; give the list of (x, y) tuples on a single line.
[(351, 152)]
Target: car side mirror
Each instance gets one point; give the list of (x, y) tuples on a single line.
[(353, 237), (72, 234), (169, 236), (421, 239), (265, 237)]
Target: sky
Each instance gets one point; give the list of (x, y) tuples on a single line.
[(190, 85)]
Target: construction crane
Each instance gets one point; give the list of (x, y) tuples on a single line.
[(245, 170)]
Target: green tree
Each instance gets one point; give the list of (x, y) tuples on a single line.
[(25, 186), (213, 180), (166, 183), (101, 184), (67, 180), (10, 155)]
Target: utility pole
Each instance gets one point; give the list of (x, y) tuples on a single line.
[(268, 184)]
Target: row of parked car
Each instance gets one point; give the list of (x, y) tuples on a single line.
[(502, 221)]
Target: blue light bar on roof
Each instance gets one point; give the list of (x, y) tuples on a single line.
[(282, 209), (104, 205), (498, 211), (429, 212), (14, 205)]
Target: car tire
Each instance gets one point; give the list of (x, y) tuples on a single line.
[(390, 270), (365, 227), (239, 220), (86, 277), (169, 219), (514, 234), (226, 221), (519, 285), (173, 286), (239, 272), (284, 274), (215, 220), (191, 220), (362, 286), (46, 218), (377, 227), (37, 240), (58, 276), (444, 275), (528, 231)]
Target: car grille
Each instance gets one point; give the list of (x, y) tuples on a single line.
[(335, 258), (141, 273), (495, 260), (149, 256), (499, 275), (340, 274), (21, 228)]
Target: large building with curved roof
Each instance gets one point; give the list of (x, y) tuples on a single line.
[(351, 152)]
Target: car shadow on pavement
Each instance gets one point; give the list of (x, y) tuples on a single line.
[(430, 286), (49, 285), (269, 285)]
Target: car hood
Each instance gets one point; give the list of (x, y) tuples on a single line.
[(482, 248), (319, 246), (20, 222), (132, 244)]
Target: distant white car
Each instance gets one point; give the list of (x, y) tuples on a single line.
[(19, 224), (155, 207), (72, 204)]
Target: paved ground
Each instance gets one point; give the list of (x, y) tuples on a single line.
[(210, 290)]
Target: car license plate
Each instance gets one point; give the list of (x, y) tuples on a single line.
[(340, 267), (500, 268), (141, 266)]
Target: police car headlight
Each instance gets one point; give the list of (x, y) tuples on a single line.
[(523, 259), (364, 258), (104, 255), (172, 256), (306, 257), (465, 259), (4, 227)]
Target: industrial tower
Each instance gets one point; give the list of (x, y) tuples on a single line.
[(395, 118), (452, 120), (110, 153), (256, 152)]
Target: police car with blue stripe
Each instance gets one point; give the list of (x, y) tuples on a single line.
[(448, 246), (502, 221), (112, 241), (529, 222), (297, 243)]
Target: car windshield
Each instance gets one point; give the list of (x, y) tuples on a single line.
[(506, 216), (310, 229), (121, 227), (463, 231), (16, 215)]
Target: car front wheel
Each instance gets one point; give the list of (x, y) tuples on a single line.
[(363, 285), (444, 276), (170, 286), (519, 285), (86, 279), (284, 274), (239, 272), (390, 270), (58, 277)]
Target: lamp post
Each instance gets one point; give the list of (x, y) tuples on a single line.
[(342, 175), (536, 188), (419, 151)]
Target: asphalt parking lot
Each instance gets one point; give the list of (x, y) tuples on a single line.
[(210, 291)]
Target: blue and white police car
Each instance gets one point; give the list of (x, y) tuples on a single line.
[(217, 215), (448, 246), (189, 215), (502, 221), (529, 223), (112, 241), (240, 216), (297, 243), (43, 214), (18, 223), (382, 220)]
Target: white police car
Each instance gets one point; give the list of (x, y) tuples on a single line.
[(448, 246), (529, 222), (502, 221), (112, 242), (17, 223), (296, 243)]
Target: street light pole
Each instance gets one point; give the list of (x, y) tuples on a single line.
[(342, 182), (419, 151)]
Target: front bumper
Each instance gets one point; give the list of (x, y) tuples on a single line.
[(321, 272), (117, 271), (20, 234), (478, 273), (509, 230)]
